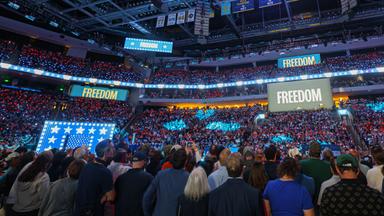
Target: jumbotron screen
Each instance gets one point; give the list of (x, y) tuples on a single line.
[(300, 95), (148, 45), (69, 135)]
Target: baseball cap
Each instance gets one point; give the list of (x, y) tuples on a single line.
[(11, 156), (347, 160), (138, 156)]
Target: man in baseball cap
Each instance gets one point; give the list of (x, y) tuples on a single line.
[(130, 187), (350, 196)]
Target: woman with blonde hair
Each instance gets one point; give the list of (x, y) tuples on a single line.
[(194, 201)]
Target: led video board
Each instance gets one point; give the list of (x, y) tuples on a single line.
[(300, 95), (69, 135), (267, 3), (148, 45), (299, 61), (98, 92), (242, 5)]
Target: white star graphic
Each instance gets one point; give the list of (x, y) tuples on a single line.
[(55, 129), (67, 130), (52, 139), (103, 131), (80, 130), (92, 130), (100, 139)]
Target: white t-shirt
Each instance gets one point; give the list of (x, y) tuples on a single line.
[(375, 178)]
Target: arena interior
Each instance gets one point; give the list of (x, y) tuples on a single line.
[(192, 107)]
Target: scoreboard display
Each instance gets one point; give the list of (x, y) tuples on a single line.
[(243, 5), (267, 3), (148, 45)]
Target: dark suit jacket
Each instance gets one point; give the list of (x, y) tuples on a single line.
[(234, 198)]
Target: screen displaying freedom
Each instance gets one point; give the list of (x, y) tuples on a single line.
[(98, 92), (305, 95), (148, 45), (299, 61)]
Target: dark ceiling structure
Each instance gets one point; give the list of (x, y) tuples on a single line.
[(109, 21)]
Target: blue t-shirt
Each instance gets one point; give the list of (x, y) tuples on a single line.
[(287, 198)]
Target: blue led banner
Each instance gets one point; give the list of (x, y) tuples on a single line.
[(225, 8), (299, 61), (148, 45), (267, 3), (86, 80), (98, 92), (243, 5), (69, 135)]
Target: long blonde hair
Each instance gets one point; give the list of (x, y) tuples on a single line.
[(197, 184)]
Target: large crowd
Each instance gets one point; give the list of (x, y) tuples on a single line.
[(58, 62), (195, 162), (336, 82), (290, 129), (183, 180), (330, 64), (340, 63), (22, 113), (368, 119)]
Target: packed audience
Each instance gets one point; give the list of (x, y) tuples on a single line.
[(7, 48), (60, 63), (177, 181), (22, 113), (368, 116), (336, 82), (293, 128), (200, 76)]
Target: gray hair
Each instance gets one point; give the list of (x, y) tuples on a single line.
[(197, 184)]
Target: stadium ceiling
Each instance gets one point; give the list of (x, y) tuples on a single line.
[(106, 20)]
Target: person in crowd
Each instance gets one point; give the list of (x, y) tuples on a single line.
[(301, 178), (208, 165), (271, 162), (306, 181), (118, 165), (219, 176), (313, 167), (349, 196), (375, 176), (234, 197), (130, 187), (285, 196), (31, 186), (258, 179), (194, 201), (81, 153), (249, 159), (362, 167), (330, 182), (154, 164), (327, 155), (168, 161), (166, 187), (56, 168), (13, 161), (95, 186), (60, 197)]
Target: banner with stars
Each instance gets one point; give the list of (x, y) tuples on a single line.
[(69, 135)]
